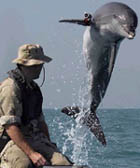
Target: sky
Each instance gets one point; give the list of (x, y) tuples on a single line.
[(36, 21)]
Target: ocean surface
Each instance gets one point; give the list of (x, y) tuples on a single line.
[(122, 131)]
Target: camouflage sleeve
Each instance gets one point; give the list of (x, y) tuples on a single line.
[(10, 105)]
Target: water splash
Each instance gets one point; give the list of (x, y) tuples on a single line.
[(80, 152), (77, 133)]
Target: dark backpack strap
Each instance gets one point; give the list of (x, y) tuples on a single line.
[(4, 139)]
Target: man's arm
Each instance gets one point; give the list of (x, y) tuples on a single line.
[(16, 135)]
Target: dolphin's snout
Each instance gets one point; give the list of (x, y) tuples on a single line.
[(131, 35), (128, 32)]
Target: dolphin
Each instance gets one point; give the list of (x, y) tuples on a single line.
[(106, 29)]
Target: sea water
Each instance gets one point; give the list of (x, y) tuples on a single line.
[(122, 131)]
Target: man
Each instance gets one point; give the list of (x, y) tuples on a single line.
[(24, 135)]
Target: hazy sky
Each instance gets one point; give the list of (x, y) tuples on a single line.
[(36, 21)]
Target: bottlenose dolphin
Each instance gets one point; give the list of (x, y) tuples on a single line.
[(106, 29)]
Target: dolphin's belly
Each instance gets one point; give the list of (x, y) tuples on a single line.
[(96, 51)]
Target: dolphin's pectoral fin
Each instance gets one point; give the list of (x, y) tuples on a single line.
[(92, 121), (113, 54), (112, 59)]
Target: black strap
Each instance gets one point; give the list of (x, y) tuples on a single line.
[(4, 139)]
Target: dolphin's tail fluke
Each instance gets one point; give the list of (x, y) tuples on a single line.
[(90, 120)]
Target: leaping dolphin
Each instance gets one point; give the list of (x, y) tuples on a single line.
[(106, 29)]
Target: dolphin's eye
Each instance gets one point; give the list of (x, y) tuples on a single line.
[(120, 18)]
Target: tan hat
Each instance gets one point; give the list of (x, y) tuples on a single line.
[(31, 54)]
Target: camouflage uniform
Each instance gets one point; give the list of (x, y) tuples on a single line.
[(11, 111)]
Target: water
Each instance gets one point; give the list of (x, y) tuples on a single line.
[(122, 130)]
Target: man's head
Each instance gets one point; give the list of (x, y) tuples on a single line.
[(31, 59)]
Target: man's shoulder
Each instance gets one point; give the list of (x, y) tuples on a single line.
[(8, 83)]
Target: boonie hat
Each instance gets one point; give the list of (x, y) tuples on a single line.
[(31, 54)]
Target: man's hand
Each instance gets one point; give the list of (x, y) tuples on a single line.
[(16, 135), (38, 159)]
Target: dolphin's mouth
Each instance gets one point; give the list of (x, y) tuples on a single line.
[(131, 35), (128, 32)]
